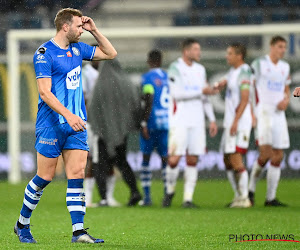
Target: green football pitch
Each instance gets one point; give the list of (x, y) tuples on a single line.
[(208, 227)]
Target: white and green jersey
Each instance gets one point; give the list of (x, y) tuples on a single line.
[(89, 78), (270, 80), (237, 80), (186, 84)]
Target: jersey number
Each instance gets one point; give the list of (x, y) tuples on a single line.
[(164, 97)]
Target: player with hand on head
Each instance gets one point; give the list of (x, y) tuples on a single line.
[(272, 80), (237, 122), (187, 135), (61, 117), (154, 124)]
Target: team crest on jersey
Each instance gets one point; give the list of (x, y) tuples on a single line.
[(69, 54), (158, 82), (76, 51)]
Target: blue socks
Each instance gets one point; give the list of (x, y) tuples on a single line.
[(33, 193), (146, 176), (76, 203)]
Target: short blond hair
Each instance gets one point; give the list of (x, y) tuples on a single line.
[(65, 16)]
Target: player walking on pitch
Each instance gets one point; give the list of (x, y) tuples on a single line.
[(187, 135), (154, 125), (237, 122), (61, 117), (272, 80)]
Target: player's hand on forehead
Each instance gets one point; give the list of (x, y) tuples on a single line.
[(88, 23)]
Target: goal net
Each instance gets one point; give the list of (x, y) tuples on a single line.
[(133, 45)]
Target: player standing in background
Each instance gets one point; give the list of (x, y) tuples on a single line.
[(114, 113), (90, 75), (272, 80), (237, 122), (154, 124), (61, 117), (187, 135)]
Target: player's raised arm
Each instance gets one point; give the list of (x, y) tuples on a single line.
[(105, 50), (44, 88)]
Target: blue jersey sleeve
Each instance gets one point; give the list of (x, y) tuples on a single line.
[(87, 51), (42, 65)]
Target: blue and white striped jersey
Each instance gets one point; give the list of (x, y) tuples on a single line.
[(63, 66)]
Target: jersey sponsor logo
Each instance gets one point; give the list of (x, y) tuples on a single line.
[(69, 54), (161, 112), (75, 51), (48, 141), (73, 78), (228, 93), (275, 86), (40, 59), (60, 55)]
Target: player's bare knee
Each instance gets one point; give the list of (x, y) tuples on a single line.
[(276, 160), (239, 169), (173, 161), (191, 160), (77, 173), (265, 155), (263, 159), (227, 162), (46, 176)]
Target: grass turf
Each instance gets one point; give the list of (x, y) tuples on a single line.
[(154, 227)]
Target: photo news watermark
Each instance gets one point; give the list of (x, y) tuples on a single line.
[(262, 237)]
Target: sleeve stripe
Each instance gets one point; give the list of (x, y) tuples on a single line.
[(43, 77), (245, 86), (245, 82), (93, 53)]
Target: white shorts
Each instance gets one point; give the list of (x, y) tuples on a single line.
[(238, 143), (90, 136), (272, 128), (93, 143), (183, 140)]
